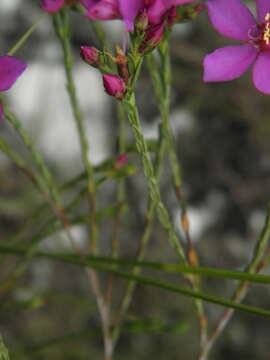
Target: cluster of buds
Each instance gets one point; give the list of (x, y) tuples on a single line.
[(148, 30), (114, 85), (152, 33), (152, 29)]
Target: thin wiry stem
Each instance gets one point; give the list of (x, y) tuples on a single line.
[(142, 244), (26, 36), (44, 178), (154, 191), (62, 28), (120, 198), (162, 84), (256, 264)]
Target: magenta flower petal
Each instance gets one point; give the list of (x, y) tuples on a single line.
[(10, 69), (263, 7), (129, 10), (228, 63), (231, 18), (261, 72), (52, 6)]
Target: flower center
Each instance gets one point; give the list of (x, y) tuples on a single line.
[(260, 34), (266, 32)]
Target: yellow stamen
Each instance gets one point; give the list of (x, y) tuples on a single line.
[(266, 33)]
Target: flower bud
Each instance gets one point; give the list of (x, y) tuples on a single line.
[(90, 55), (153, 38), (142, 21), (121, 160), (114, 86), (122, 64)]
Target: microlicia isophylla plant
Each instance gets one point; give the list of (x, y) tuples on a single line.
[(147, 33)]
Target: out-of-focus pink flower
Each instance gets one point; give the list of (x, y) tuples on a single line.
[(52, 6), (114, 86), (90, 55), (10, 69)]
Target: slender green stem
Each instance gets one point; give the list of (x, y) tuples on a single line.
[(242, 289), (121, 182), (143, 241), (45, 177), (120, 199), (62, 28), (46, 180), (171, 287), (100, 32), (133, 116), (16, 158), (163, 94), (25, 36)]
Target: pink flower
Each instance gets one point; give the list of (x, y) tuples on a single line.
[(10, 69), (128, 10), (114, 86), (234, 20)]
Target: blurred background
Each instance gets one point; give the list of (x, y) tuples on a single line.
[(222, 134)]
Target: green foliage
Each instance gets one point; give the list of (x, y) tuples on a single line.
[(3, 350)]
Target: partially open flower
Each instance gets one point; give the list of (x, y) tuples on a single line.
[(114, 86), (10, 69)]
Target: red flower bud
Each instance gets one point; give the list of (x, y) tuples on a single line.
[(121, 160), (142, 21), (122, 64), (153, 37), (114, 86), (90, 55)]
